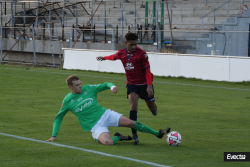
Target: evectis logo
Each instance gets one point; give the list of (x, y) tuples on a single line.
[(129, 66), (229, 156), (236, 156), (83, 104)]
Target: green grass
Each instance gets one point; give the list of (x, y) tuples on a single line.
[(212, 117)]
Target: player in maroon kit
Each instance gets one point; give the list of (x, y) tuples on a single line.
[(139, 77)]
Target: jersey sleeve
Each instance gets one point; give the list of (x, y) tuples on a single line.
[(149, 77), (101, 87), (112, 57), (145, 62), (116, 56), (58, 119)]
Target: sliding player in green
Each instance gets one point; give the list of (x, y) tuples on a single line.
[(82, 101)]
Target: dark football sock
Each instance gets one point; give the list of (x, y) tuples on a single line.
[(133, 116)]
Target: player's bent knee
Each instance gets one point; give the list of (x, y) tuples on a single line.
[(105, 139), (107, 142)]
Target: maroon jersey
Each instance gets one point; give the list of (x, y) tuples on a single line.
[(134, 64)]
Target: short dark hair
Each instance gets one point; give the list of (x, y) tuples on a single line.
[(131, 36), (70, 79)]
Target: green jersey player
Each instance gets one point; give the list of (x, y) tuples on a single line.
[(82, 101)]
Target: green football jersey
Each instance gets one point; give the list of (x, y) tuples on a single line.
[(83, 105)]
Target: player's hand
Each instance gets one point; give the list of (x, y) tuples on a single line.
[(100, 58), (114, 90), (150, 91), (51, 139)]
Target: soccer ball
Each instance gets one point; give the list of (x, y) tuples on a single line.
[(173, 138)]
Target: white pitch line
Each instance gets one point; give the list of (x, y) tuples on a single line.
[(125, 79), (85, 150)]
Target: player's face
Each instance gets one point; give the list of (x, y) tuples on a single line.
[(131, 45), (76, 87)]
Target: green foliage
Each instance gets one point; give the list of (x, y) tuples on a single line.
[(212, 117)]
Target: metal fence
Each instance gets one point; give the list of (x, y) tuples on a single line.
[(213, 42), (71, 23)]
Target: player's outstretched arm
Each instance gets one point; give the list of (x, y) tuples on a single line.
[(110, 57), (51, 139), (100, 58)]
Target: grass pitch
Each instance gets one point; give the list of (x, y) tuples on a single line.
[(212, 117)]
